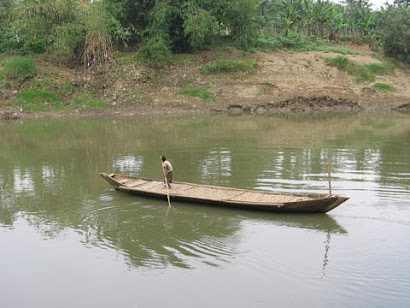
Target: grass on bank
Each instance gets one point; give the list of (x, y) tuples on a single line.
[(202, 93), (38, 100), (228, 66), (16, 69), (327, 49), (87, 101), (44, 100), (300, 43), (385, 87), (366, 72)]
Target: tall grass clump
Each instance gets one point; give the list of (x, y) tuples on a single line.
[(339, 61), (202, 93), (75, 31), (226, 66), (98, 44), (17, 69)]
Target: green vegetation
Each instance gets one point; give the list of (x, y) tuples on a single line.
[(86, 101), (157, 51), (32, 99), (88, 32), (327, 49), (173, 33), (268, 43), (226, 66), (362, 73), (74, 30), (16, 70), (298, 42), (385, 87), (342, 63), (202, 93), (395, 33), (126, 58)]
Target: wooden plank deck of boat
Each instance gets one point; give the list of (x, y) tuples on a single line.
[(273, 201), (214, 193)]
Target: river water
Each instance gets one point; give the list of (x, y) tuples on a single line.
[(67, 239)]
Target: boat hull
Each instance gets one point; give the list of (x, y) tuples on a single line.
[(227, 197)]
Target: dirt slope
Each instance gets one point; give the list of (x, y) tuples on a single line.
[(282, 79)]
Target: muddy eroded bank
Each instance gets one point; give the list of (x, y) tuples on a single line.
[(282, 82)]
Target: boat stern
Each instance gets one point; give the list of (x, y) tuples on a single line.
[(110, 178)]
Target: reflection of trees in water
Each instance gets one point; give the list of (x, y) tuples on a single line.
[(326, 256), (148, 236), (128, 163), (216, 167)]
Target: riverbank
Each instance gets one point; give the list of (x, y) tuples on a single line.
[(259, 82)]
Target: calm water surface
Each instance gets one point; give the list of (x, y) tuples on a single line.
[(67, 239)]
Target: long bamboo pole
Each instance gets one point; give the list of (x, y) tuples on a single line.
[(328, 175)]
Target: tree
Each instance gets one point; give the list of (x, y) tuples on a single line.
[(395, 31), (188, 25), (402, 3), (5, 10)]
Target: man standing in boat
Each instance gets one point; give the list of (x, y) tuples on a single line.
[(167, 168)]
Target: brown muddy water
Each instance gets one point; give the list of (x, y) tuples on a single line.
[(67, 239)]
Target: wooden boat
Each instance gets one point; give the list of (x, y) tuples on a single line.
[(230, 197)]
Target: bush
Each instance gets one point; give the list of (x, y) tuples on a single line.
[(293, 40), (267, 43), (156, 51), (37, 44), (10, 41), (396, 33), (16, 69), (225, 66), (346, 37)]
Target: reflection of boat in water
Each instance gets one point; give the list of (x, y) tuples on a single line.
[(323, 222), (154, 235), (230, 197)]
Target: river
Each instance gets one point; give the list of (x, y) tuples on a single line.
[(68, 239)]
